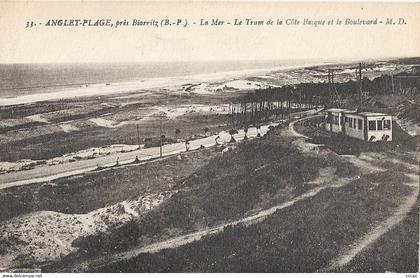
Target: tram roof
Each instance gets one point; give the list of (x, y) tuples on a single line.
[(372, 114), (339, 110), (354, 112)]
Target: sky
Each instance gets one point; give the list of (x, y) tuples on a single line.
[(43, 44)]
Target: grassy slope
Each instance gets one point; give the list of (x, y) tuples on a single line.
[(301, 238), (81, 194), (256, 175), (396, 251)]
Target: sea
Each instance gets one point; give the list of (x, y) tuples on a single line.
[(22, 79)]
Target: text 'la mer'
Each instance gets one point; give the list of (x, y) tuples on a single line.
[(219, 22)]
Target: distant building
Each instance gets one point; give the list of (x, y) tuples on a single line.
[(367, 126)]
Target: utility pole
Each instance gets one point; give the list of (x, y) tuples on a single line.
[(160, 129), (331, 87), (360, 84), (232, 109), (392, 82), (138, 135)]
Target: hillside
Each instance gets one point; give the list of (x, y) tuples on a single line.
[(288, 206)]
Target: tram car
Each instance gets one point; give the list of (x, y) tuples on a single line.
[(366, 126)]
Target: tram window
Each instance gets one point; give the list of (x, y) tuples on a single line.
[(350, 122), (354, 123), (387, 124), (346, 119), (379, 124), (372, 125), (359, 123)]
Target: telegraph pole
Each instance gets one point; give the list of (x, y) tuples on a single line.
[(138, 136), (160, 116), (392, 82), (333, 95), (329, 87), (160, 129)]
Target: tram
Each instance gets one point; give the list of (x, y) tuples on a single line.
[(366, 126)]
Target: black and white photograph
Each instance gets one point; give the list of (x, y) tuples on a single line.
[(209, 137)]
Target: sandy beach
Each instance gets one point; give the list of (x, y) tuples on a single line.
[(143, 84)]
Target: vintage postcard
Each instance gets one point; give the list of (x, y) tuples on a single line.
[(209, 137)]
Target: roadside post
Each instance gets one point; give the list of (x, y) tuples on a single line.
[(138, 135), (160, 137)]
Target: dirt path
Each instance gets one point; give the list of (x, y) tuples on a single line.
[(364, 162), (189, 238)]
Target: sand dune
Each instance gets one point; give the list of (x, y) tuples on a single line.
[(46, 235)]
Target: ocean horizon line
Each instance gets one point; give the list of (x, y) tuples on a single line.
[(98, 89), (326, 60)]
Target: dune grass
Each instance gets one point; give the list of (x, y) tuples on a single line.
[(300, 238)]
